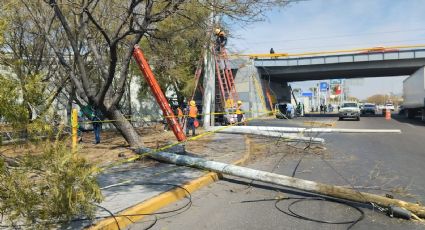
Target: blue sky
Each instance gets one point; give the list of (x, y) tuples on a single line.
[(322, 25)]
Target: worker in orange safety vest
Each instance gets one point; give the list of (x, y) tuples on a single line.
[(239, 112), (193, 113), (179, 114)]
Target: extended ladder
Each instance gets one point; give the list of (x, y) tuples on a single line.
[(225, 81), (158, 94)]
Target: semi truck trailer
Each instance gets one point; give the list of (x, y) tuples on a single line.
[(414, 95)]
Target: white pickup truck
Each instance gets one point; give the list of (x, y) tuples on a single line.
[(387, 106)]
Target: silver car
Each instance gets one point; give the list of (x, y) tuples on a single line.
[(349, 110)]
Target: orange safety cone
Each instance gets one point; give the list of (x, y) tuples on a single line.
[(387, 114)]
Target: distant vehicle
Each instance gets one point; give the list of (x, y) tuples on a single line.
[(369, 109), (282, 110), (379, 49), (349, 110), (389, 106), (230, 117), (414, 95)]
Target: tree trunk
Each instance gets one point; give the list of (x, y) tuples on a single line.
[(124, 127)]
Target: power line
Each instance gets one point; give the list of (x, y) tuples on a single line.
[(350, 44), (336, 36)]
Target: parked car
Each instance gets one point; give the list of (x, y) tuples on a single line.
[(349, 110), (369, 109), (284, 110), (230, 117)]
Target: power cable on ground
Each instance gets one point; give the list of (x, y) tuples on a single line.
[(176, 211)]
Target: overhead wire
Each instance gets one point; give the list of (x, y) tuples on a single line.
[(335, 36)]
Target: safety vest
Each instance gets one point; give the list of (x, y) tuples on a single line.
[(239, 110), (193, 111), (179, 112)]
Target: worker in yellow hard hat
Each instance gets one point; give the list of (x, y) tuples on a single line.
[(220, 41), (239, 112), (193, 113)]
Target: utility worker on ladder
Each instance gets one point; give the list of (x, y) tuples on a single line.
[(193, 113), (239, 113), (220, 41)]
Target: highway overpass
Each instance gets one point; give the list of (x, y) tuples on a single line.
[(354, 65)]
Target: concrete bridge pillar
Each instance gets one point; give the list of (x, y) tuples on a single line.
[(281, 90), (250, 91)]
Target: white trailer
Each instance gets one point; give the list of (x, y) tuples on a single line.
[(414, 94)]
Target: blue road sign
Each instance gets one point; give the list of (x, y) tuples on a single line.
[(323, 86), (307, 94)]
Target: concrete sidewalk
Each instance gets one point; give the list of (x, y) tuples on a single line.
[(142, 181)]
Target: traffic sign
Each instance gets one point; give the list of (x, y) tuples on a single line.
[(323, 86), (307, 94)]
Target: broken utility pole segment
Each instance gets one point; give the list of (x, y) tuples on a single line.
[(303, 130), (277, 179)]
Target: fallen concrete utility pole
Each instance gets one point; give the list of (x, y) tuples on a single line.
[(285, 136), (305, 185), (299, 130)]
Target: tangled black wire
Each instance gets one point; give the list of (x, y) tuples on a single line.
[(177, 211), (291, 212)]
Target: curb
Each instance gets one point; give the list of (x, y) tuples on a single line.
[(164, 199)]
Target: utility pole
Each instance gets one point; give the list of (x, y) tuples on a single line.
[(282, 180), (208, 105)]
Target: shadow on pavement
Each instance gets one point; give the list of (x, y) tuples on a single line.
[(415, 121), (144, 182), (320, 115)]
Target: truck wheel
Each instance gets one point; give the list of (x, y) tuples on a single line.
[(340, 119), (410, 113)]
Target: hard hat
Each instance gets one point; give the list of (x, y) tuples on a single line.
[(239, 102), (217, 31), (192, 103), (221, 33)]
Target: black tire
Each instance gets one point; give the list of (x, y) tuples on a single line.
[(410, 113), (340, 119), (358, 118)]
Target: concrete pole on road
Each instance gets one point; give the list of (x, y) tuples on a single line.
[(277, 179), (284, 130)]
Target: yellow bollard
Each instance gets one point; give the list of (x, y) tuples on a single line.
[(74, 125)]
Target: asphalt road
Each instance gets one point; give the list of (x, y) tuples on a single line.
[(376, 163)]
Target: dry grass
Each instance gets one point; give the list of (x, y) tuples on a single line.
[(113, 146)]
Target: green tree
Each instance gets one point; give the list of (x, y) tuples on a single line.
[(176, 48)]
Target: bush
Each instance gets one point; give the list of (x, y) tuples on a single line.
[(48, 188)]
